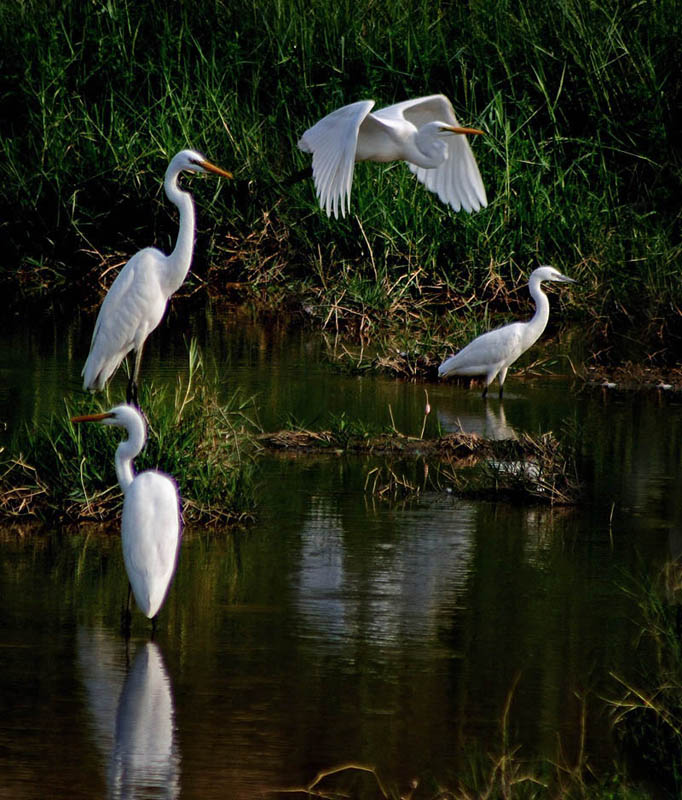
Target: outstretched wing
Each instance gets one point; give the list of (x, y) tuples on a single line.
[(132, 308), (457, 181), (333, 142)]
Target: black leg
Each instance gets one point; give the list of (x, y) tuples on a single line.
[(126, 616), (131, 393), (500, 391), (485, 392)]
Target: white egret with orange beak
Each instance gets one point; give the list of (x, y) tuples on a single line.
[(150, 522), (424, 132), (138, 297)]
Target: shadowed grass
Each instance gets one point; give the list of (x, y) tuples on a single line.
[(647, 709)]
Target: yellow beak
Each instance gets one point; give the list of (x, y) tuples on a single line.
[(216, 170), (93, 417), (456, 129)]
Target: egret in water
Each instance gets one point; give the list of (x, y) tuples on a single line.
[(150, 522), (137, 299), (424, 132), (492, 353)]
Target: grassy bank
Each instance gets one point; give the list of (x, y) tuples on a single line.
[(581, 161), (63, 472)]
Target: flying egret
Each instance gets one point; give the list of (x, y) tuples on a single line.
[(137, 299), (492, 353), (424, 132), (150, 522)]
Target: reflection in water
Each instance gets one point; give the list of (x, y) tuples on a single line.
[(491, 422), (335, 629), (133, 716), (395, 591)]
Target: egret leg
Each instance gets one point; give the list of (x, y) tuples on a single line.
[(131, 392), (154, 618), (485, 392), (500, 378), (126, 616)]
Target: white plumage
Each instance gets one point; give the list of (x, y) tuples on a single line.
[(137, 299), (492, 353), (424, 132), (150, 522)]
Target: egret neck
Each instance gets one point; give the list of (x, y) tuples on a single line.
[(178, 262), (128, 449), (536, 325)]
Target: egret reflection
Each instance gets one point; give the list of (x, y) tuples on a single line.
[(133, 716), (489, 422), (400, 585)]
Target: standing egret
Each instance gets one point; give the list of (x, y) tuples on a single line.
[(424, 132), (491, 354), (150, 523), (137, 299)]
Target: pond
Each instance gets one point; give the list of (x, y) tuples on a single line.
[(337, 628)]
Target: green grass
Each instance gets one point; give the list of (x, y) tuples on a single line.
[(581, 160), (647, 703), (65, 472)]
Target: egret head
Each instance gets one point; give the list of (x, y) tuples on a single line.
[(123, 416), (191, 161), (547, 273)]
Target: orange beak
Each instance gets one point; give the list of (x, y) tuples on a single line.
[(456, 129), (92, 417), (216, 170)]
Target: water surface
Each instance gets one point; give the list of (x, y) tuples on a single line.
[(338, 627)]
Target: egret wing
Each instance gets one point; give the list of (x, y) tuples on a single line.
[(150, 533), (486, 352), (333, 142), (420, 110), (457, 181), (133, 306)]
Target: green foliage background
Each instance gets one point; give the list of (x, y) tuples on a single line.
[(582, 159)]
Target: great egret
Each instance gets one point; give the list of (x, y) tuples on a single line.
[(150, 522), (424, 132), (492, 353), (137, 299)]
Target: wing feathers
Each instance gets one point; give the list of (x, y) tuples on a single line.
[(333, 141)]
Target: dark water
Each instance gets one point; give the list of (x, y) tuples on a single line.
[(337, 628)]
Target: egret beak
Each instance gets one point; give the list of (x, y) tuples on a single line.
[(215, 170), (93, 417), (564, 279), (456, 129)]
